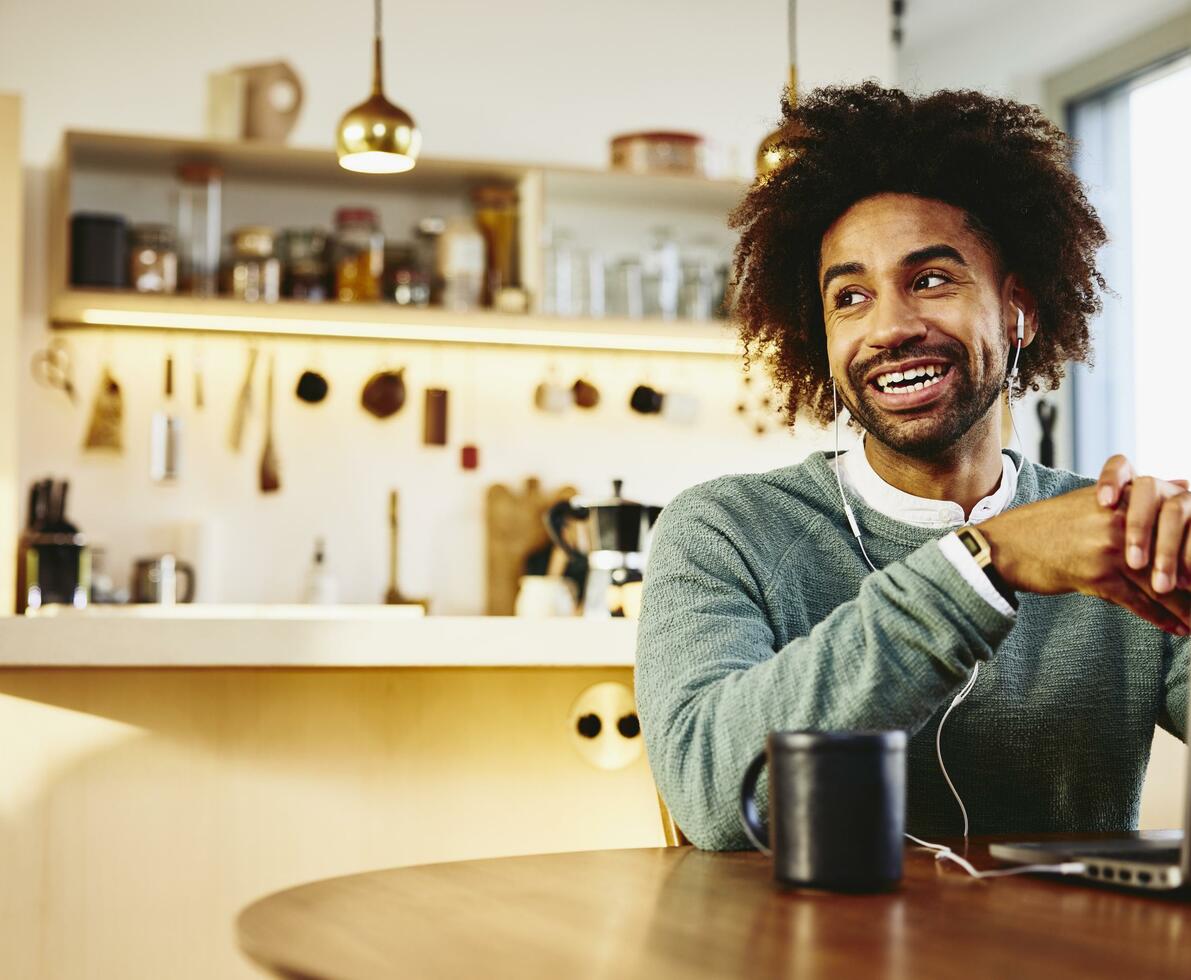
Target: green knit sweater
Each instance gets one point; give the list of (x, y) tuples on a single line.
[(759, 613)]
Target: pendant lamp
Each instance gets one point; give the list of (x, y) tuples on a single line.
[(377, 137), (774, 151)]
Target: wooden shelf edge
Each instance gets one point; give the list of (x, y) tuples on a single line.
[(138, 311)]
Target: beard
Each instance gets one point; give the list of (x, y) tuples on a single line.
[(943, 424)]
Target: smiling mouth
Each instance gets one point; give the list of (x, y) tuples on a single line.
[(914, 379)]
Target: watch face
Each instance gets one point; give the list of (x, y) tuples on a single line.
[(970, 543)]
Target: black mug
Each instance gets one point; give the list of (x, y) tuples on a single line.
[(837, 808)]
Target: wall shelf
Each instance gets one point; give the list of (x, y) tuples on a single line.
[(138, 311), (315, 171)]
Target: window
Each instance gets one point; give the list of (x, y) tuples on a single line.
[(1134, 154)]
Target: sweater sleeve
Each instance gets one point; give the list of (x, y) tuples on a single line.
[(711, 684), (1173, 717)]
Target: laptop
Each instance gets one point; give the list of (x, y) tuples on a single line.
[(1158, 860)]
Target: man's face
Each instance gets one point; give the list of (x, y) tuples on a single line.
[(916, 314)]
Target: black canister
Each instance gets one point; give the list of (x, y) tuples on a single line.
[(837, 808), (98, 250)]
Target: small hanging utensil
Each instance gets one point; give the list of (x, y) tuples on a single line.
[(199, 397), (393, 595), (1047, 414), (165, 434), (384, 393), (106, 428), (243, 404), (52, 367), (270, 468)]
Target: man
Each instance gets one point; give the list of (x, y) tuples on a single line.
[(899, 260)]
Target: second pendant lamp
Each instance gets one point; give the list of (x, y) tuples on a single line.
[(377, 137)]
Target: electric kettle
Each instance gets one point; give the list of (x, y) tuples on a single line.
[(612, 537)]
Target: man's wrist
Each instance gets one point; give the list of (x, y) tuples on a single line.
[(980, 548), (1001, 546)]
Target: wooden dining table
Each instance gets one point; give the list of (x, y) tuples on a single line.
[(681, 912)]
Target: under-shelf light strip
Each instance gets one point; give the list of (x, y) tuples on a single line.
[(373, 330)]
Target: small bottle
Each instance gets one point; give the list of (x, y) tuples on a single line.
[(321, 587)]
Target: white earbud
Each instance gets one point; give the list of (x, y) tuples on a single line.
[(1021, 336)]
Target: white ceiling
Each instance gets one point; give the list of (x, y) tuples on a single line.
[(1009, 45)]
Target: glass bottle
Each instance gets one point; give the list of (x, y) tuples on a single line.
[(496, 216), (199, 196)]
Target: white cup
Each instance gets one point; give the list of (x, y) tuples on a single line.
[(545, 596)]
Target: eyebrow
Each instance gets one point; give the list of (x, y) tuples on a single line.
[(919, 255)]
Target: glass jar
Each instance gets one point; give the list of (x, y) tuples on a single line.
[(405, 283), (199, 195), (304, 252), (496, 216), (461, 264), (359, 256), (255, 270), (427, 232), (152, 259)]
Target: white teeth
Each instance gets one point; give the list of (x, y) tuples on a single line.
[(933, 377)]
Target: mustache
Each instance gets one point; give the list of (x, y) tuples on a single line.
[(955, 353)]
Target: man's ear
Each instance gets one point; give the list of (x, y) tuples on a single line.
[(1016, 297)]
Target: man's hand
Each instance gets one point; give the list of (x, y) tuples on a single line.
[(1157, 523), (1071, 543)]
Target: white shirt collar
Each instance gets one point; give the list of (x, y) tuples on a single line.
[(860, 477)]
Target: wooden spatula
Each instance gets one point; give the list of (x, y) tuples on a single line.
[(270, 467)]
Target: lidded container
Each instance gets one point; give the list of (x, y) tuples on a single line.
[(359, 256), (461, 264), (406, 283), (152, 259), (305, 276), (255, 270), (199, 197)]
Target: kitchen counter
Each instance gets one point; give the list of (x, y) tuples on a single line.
[(307, 636), (163, 767)]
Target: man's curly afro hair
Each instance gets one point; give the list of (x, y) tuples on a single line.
[(1001, 162)]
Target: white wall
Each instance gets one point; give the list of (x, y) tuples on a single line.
[(527, 81), (532, 81)]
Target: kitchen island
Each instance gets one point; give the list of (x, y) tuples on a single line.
[(163, 769)]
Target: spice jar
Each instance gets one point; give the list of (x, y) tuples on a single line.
[(405, 283), (304, 251), (496, 216), (153, 259), (256, 271), (359, 255)]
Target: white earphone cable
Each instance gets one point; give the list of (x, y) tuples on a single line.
[(946, 852)]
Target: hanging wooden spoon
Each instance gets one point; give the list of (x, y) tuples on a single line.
[(270, 468)]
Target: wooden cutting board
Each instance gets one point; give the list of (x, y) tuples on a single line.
[(515, 528)]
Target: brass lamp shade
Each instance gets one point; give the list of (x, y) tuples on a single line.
[(377, 137), (771, 155)]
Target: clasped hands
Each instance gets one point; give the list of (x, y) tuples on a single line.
[(1127, 540)]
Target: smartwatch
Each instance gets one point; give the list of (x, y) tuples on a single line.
[(979, 548)]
